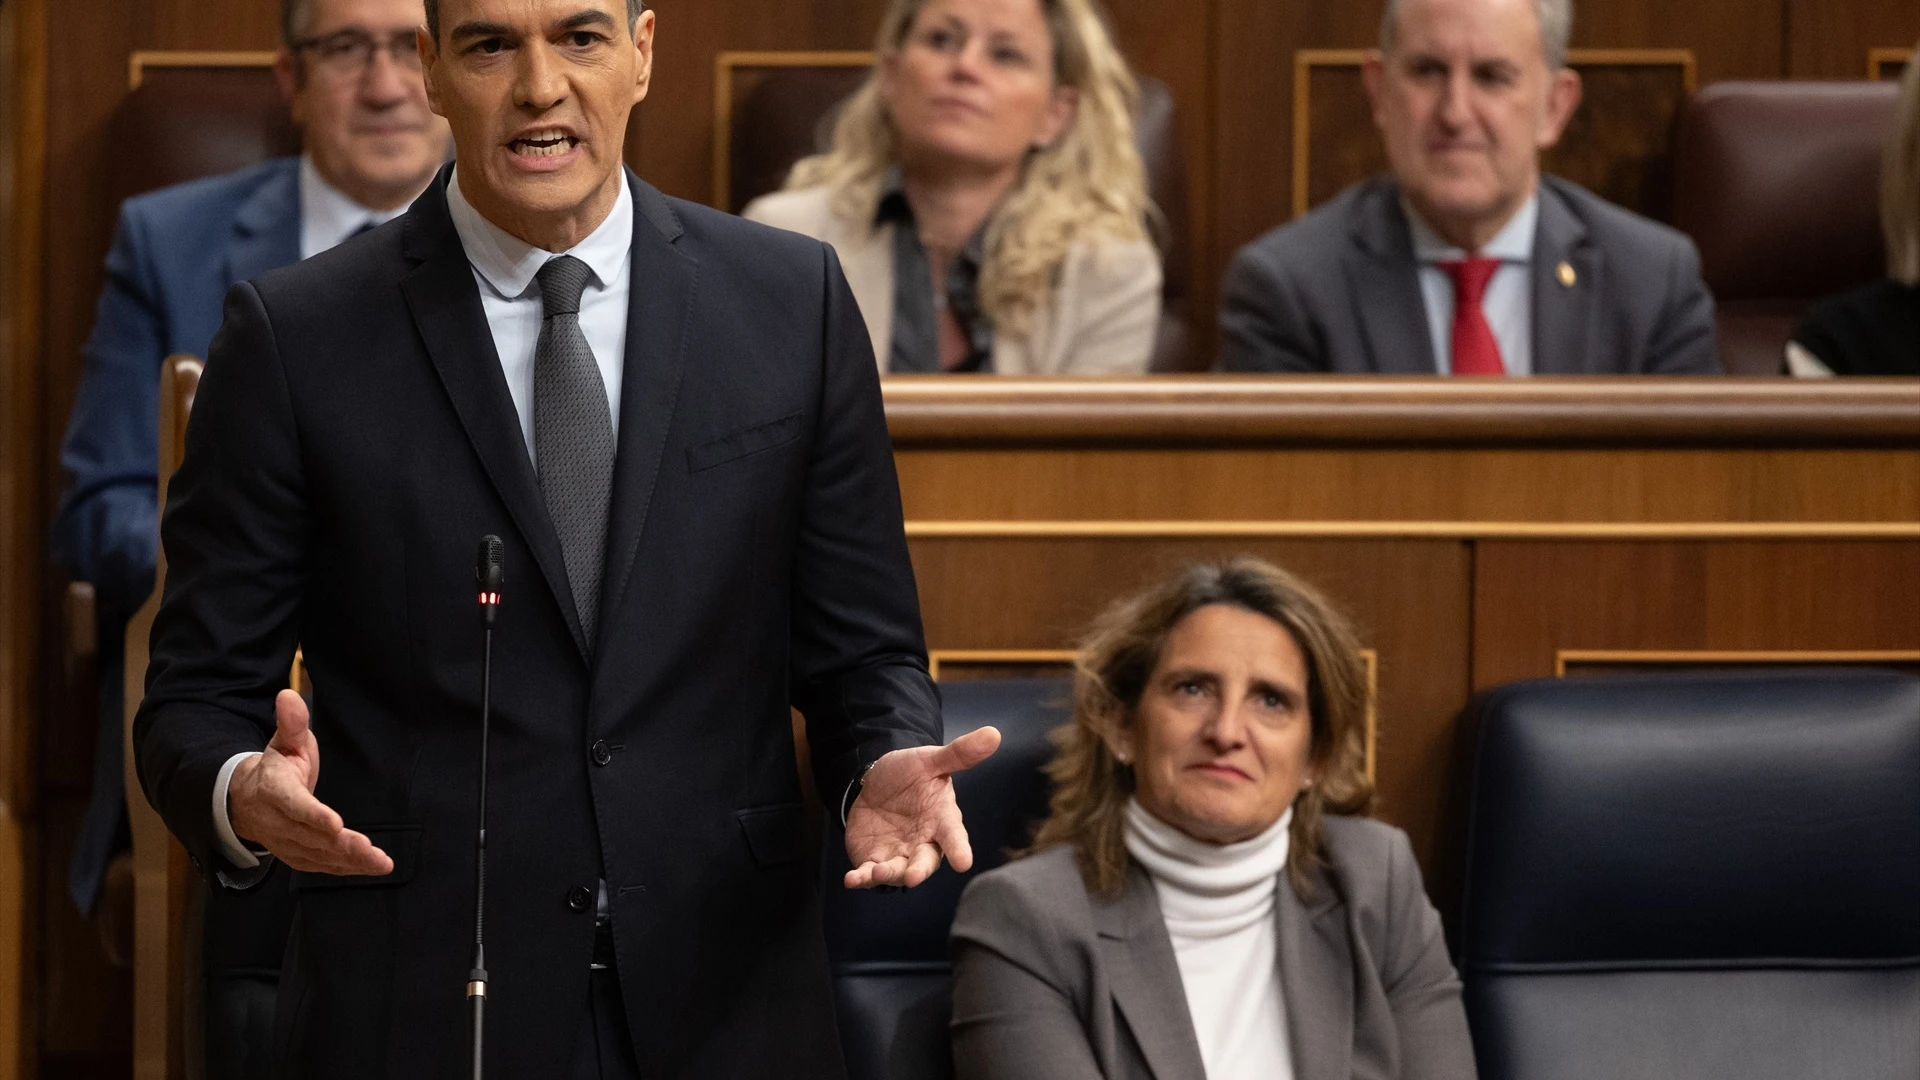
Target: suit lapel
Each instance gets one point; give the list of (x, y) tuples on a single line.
[(1384, 282), (1146, 980), (1562, 313), (1316, 981), (660, 297), (445, 302), (267, 226)]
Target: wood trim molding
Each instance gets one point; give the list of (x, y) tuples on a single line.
[(724, 65), (1305, 60), (1398, 411), (23, 867), (1370, 657), (1410, 530), (140, 61), (1564, 658), (1879, 60), (937, 657)]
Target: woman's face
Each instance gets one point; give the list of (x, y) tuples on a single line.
[(973, 85), (1221, 742)]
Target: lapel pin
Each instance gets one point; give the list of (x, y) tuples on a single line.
[(1566, 275)]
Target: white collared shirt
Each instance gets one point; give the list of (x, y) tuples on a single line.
[(1508, 302), (504, 266), (329, 216)]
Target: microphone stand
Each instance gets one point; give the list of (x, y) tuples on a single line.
[(490, 575)]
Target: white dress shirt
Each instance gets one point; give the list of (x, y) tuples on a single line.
[(503, 267), (329, 216), (1508, 302)]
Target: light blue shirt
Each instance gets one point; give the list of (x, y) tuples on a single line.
[(1508, 302)]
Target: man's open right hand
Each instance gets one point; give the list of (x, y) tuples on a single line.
[(270, 803)]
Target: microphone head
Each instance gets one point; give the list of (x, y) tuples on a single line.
[(490, 565)]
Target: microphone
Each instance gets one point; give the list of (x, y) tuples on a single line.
[(489, 575)]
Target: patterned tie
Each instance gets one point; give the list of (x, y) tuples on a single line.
[(572, 434), (1475, 352)]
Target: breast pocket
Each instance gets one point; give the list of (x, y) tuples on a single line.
[(743, 443)]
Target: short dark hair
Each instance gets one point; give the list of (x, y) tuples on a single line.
[(634, 8)]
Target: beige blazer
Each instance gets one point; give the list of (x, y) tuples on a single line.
[(1101, 321), (1052, 983)]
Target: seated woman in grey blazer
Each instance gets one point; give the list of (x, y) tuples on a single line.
[(1200, 901), (985, 196)]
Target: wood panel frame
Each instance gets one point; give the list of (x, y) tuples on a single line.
[(1563, 659), (140, 61), (1306, 60), (1880, 60), (724, 66)]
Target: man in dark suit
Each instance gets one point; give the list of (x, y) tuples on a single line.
[(1466, 260), (672, 419)]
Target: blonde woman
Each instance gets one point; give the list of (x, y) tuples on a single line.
[(1201, 901), (985, 196), (1875, 329)]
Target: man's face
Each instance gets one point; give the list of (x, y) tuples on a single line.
[(358, 94), (1465, 103), (538, 93)]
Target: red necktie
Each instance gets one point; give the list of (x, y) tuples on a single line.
[(1475, 352)]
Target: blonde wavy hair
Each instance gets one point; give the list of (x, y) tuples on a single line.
[(1900, 181), (1116, 661), (1088, 184)]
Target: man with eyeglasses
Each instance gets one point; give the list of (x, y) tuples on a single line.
[(350, 70)]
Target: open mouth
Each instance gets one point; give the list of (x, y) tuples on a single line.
[(540, 144)]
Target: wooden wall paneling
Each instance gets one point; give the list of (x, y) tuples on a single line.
[(23, 148), (1888, 64), (1253, 107), (1174, 43), (1409, 597), (1534, 600), (1411, 485), (1731, 39), (1828, 40), (671, 141), (769, 110), (1619, 143)]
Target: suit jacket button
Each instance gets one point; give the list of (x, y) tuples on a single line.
[(579, 898), (601, 753)]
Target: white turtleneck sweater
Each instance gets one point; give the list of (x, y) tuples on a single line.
[(1218, 905)]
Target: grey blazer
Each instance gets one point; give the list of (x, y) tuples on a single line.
[(1054, 984), (1338, 291)]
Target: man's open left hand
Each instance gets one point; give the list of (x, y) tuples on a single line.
[(906, 819)]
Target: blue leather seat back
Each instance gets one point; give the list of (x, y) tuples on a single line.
[(892, 981), (1702, 875)]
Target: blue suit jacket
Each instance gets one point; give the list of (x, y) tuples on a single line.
[(175, 254)]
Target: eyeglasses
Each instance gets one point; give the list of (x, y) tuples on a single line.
[(349, 52)]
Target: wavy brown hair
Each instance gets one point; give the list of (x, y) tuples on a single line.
[(1115, 663)]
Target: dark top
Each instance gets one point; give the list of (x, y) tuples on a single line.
[(916, 322), (1872, 330), (333, 490)]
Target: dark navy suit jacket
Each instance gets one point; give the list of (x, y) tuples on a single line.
[(175, 254)]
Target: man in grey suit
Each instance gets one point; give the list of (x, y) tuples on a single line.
[(1467, 260)]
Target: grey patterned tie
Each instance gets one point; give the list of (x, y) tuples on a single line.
[(572, 433)]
